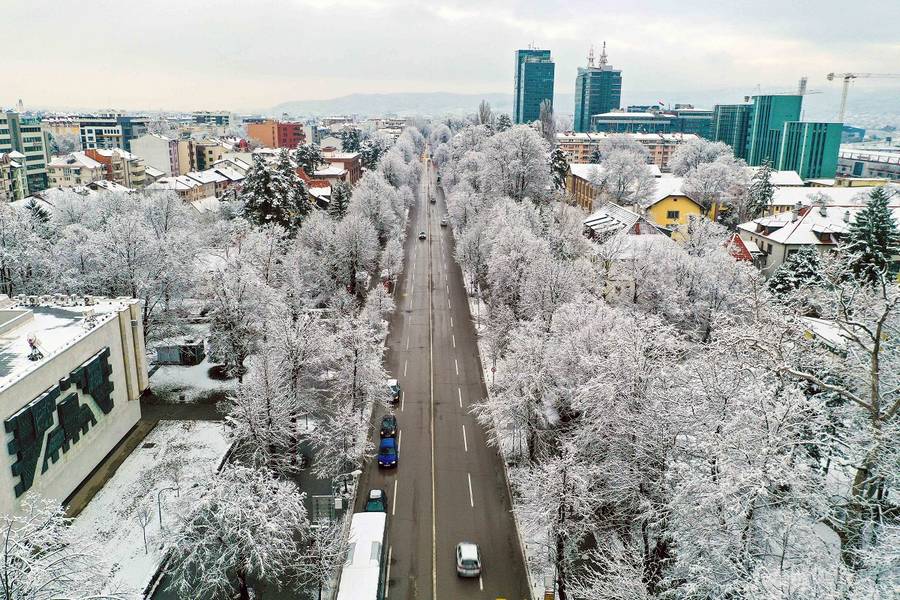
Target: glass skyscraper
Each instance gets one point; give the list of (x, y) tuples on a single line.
[(730, 123), (767, 119), (534, 83), (809, 148), (598, 90)]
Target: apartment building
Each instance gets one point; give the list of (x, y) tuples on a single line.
[(75, 169)]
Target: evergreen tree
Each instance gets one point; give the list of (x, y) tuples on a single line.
[(309, 157), (503, 122), (800, 271), (38, 213), (559, 168), (340, 199), (275, 194), (371, 152), (596, 157), (761, 191), (256, 192), (873, 239), (351, 139)]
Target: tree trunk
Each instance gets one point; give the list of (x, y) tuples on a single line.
[(243, 587)]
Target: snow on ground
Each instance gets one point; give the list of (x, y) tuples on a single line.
[(173, 380), (186, 452)]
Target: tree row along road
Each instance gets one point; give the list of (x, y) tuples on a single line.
[(449, 486)]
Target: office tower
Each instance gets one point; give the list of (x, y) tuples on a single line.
[(810, 149), (730, 124), (598, 90), (766, 127), (534, 83)]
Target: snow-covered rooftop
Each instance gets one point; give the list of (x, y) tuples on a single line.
[(75, 159), (55, 322), (586, 170), (789, 196), (780, 178), (612, 218), (813, 225), (330, 171), (584, 137)]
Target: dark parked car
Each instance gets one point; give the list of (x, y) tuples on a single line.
[(394, 387), (388, 426), (377, 501)]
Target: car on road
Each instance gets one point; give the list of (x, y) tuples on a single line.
[(394, 387), (388, 426), (422, 235), (387, 453), (443, 221), (377, 501), (468, 560)]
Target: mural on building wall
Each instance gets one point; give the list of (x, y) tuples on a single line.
[(30, 425)]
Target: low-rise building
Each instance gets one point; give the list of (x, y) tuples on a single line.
[(350, 161), (13, 185), (579, 183), (876, 162), (159, 152), (580, 147), (110, 130), (277, 134), (122, 167), (187, 188), (821, 226), (669, 207), (208, 152), (71, 379), (75, 169)]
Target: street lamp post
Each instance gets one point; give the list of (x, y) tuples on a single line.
[(353, 474), (159, 502)]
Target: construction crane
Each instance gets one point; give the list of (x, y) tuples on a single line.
[(848, 77)]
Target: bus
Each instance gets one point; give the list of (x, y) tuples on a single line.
[(363, 575)]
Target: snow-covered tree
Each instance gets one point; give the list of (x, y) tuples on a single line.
[(351, 139), (485, 116), (341, 191), (799, 271), (624, 178), (516, 164), (43, 558), (761, 191), (618, 142), (691, 154), (308, 157), (248, 527), (372, 149), (380, 203), (548, 122), (559, 167), (355, 252), (503, 122), (723, 183), (873, 240)]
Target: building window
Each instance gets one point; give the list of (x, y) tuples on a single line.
[(673, 214)]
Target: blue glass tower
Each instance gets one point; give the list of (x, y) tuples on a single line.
[(534, 83)]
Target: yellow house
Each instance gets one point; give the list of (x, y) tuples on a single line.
[(669, 207)]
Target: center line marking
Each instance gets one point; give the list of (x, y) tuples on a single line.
[(451, 321), (402, 398), (448, 303), (459, 391), (399, 437), (407, 342), (453, 338), (471, 498), (394, 508), (455, 364), (480, 582), (405, 364), (465, 441)]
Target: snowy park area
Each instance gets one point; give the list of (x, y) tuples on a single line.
[(171, 382), (176, 454)]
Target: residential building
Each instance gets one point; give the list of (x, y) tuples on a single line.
[(534, 77), (208, 152), (73, 373), (854, 182), (610, 219), (790, 198), (13, 185), (215, 118), (626, 122), (152, 174), (598, 90), (277, 134), (730, 124), (810, 148), (579, 183), (766, 126), (580, 147), (25, 135), (188, 188), (75, 169), (882, 162), (822, 226), (122, 167), (670, 207), (780, 178), (159, 152), (111, 130), (350, 161)]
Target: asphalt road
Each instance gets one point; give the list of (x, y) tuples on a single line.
[(449, 485)]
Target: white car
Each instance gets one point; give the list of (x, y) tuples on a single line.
[(468, 560), (422, 235)]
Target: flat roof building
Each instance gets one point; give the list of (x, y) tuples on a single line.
[(598, 90), (534, 77)]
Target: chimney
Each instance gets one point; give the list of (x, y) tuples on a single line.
[(823, 211), (846, 216), (796, 210)]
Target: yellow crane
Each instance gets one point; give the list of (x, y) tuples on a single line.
[(848, 77)]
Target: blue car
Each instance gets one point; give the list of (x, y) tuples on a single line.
[(387, 453)]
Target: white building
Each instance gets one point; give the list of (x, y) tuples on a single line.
[(74, 169), (70, 382), (158, 151)]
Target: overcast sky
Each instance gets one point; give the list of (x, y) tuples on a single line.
[(253, 54)]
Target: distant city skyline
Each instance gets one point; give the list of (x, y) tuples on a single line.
[(221, 55)]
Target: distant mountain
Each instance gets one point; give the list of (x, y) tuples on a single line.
[(410, 104)]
